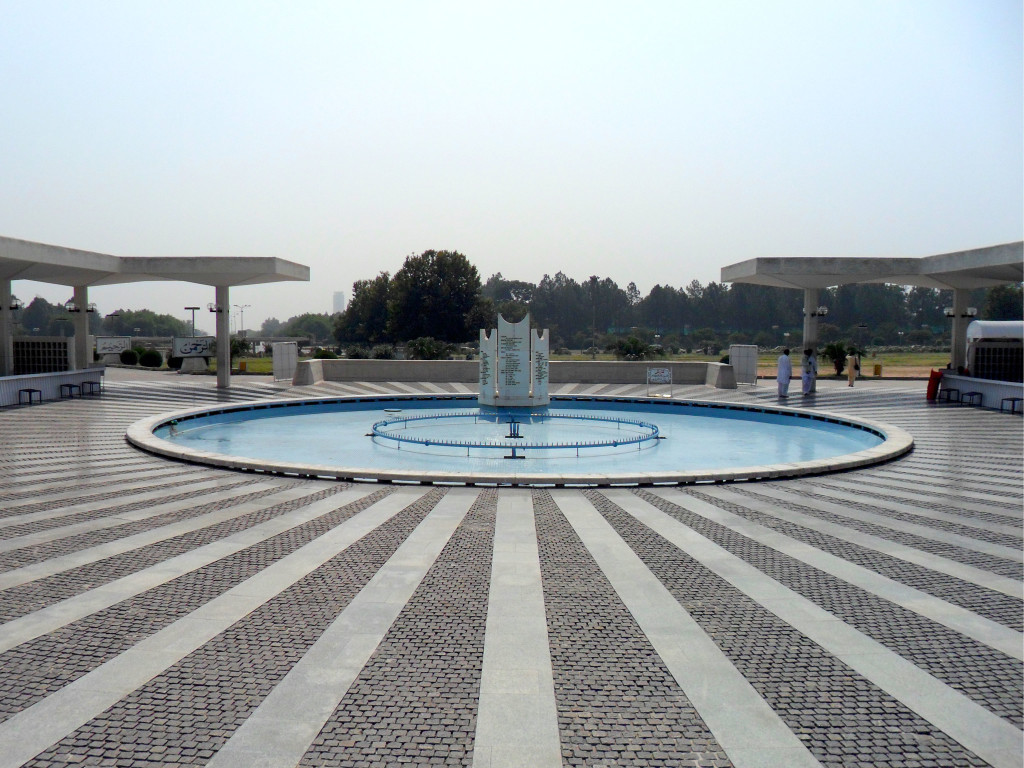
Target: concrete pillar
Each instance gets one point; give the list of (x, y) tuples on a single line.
[(83, 350), (810, 319), (6, 330), (958, 345), (810, 328), (223, 304)]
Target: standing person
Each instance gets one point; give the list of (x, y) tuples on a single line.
[(852, 367), (785, 372), (809, 364)]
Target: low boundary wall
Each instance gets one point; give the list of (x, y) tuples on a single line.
[(718, 375), (48, 384), (992, 391)]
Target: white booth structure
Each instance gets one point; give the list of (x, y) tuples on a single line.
[(994, 375), (995, 349)]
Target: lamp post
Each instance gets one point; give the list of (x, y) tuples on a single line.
[(193, 310), (241, 317)]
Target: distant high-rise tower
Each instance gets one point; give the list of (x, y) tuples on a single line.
[(339, 301)]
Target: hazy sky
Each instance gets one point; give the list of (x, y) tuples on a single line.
[(653, 142)]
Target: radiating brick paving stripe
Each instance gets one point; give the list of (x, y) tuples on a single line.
[(41, 666), (993, 679), (801, 681), (999, 529), (147, 501), (283, 727), (32, 596), (416, 700), (752, 734), (118, 692), (232, 507), (126, 523), (183, 519), (618, 704), (953, 617), (905, 546), (992, 605), (972, 543)]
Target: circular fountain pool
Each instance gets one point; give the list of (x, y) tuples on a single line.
[(577, 441)]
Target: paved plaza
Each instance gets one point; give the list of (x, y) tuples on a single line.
[(157, 613)]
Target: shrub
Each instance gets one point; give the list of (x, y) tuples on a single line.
[(129, 357), (151, 358), (428, 348), (174, 363), (324, 354), (383, 352), (357, 353)]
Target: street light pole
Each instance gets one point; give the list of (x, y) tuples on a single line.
[(241, 317), (193, 310)]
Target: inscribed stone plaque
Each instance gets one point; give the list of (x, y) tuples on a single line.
[(540, 368), (488, 353), (513, 362)]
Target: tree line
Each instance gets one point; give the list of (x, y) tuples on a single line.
[(439, 294)]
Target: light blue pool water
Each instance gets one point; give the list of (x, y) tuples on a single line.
[(689, 436)]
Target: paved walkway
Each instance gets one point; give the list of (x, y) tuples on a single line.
[(154, 613)]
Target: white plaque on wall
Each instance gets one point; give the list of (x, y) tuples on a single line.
[(193, 346), (112, 345)]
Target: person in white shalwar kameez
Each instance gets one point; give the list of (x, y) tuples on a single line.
[(785, 373)]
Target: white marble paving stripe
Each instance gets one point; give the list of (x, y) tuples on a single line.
[(49, 720), (909, 508), (93, 481), (517, 718), (749, 730), (74, 493), (792, 495), (970, 574), (133, 516), (963, 483), (926, 497), (958, 619), (206, 486), (54, 565), (987, 735), (286, 723), (71, 609)]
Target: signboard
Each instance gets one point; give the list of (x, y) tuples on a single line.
[(743, 359), (656, 376), (193, 346), (112, 345), (286, 359), (659, 375)]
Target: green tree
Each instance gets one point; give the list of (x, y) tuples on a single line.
[(1004, 302), (271, 327), (365, 319), (432, 295), (315, 325)]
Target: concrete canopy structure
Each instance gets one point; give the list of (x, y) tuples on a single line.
[(959, 271), (24, 260)]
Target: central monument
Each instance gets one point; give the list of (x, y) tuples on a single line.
[(514, 365)]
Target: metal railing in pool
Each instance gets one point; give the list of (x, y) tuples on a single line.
[(390, 428)]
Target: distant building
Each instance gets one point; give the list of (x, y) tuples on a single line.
[(339, 301)]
